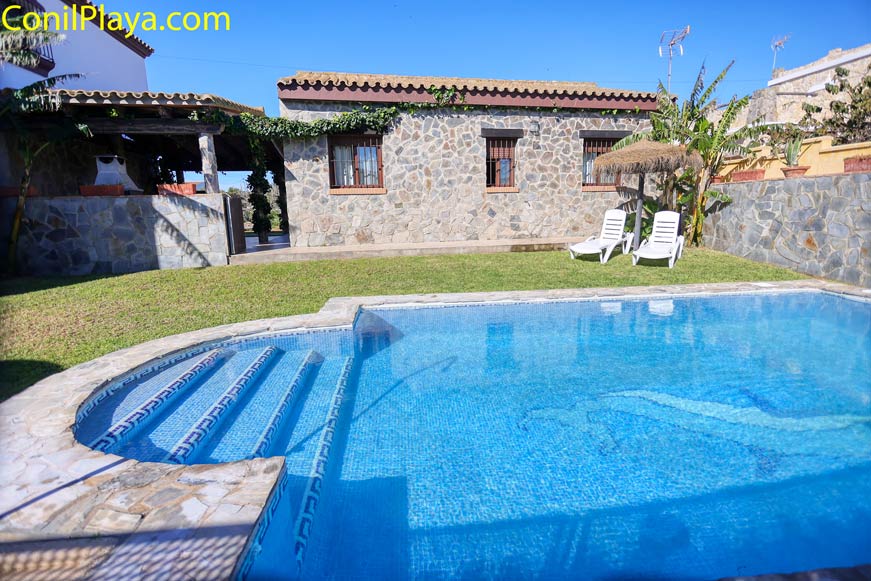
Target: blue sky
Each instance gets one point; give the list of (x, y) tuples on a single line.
[(611, 43)]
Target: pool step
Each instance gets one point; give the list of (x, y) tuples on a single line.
[(212, 417), (314, 485), (123, 429), (267, 437)]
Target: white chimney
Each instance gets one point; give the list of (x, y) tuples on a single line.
[(112, 171)]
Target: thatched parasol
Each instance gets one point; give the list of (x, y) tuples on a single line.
[(644, 157), (648, 157)]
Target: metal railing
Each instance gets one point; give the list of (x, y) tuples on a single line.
[(593, 148), (500, 162), (356, 162), (44, 52)]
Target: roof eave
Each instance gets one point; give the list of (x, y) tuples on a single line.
[(125, 37), (626, 101), (152, 99)]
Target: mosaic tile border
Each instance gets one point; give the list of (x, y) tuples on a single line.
[(255, 541), (342, 343), (186, 445), (124, 428), (264, 440), (150, 368), (313, 488)]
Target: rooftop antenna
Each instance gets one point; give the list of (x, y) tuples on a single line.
[(777, 45), (673, 41)]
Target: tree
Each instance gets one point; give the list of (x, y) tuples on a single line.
[(849, 121), (259, 187), (19, 48), (690, 124)]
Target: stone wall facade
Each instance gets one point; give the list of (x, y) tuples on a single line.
[(74, 235), (435, 179), (820, 226)]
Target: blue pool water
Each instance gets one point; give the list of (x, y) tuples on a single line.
[(690, 438)]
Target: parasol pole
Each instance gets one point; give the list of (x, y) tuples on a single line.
[(639, 209)]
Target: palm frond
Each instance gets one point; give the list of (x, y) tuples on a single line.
[(632, 138), (37, 97), (698, 86)]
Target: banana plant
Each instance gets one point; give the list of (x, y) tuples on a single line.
[(690, 124)]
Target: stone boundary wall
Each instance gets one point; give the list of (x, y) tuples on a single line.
[(434, 173), (820, 226), (74, 235)]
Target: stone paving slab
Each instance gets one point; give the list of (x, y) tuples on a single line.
[(297, 254), (69, 512)]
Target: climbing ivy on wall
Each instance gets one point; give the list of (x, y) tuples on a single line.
[(366, 118)]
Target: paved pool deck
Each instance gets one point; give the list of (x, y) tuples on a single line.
[(294, 254), (69, 512)]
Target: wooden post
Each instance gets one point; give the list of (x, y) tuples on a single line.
[(210, 163), (638, 213)]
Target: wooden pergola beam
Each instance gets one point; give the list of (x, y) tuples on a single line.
[(152, 126)]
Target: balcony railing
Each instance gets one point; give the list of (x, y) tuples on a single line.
[(45, 53)]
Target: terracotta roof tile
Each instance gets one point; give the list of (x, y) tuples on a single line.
[(494, 85), (150, 99)]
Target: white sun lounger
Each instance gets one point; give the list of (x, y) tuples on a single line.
[(665, 241), (612, 234)]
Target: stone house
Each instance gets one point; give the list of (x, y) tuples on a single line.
[(512, 159)]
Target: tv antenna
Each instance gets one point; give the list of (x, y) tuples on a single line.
[(777, 45), (673, 41)]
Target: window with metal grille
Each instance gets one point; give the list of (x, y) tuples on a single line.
[(593, 148), (44, 61), (500, 162), (355, 161)]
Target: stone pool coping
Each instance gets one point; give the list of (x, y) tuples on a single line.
[(68, 511)]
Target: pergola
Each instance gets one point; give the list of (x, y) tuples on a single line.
[(161, 124), (643, 157)]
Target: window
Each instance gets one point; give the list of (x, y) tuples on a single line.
[(593, 148), (500, 162), (44, 63), (355, 162)]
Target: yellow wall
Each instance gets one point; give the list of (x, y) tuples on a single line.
[(818, 153)]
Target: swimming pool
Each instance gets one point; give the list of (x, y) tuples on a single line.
[(678, 438)]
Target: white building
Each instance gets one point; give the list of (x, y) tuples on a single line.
[(782, 99), (107, 59)]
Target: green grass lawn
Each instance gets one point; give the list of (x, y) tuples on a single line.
[(50, 324)]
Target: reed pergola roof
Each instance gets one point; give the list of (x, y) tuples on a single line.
[(647, 157)]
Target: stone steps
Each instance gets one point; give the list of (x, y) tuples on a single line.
[(123, 429), (211, 418), (320, 463), (267, 436)]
